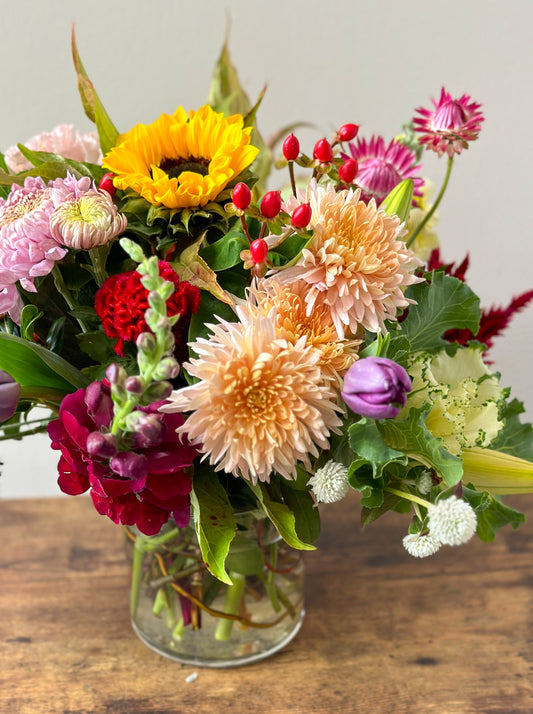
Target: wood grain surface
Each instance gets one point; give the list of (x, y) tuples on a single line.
[(384, 632)]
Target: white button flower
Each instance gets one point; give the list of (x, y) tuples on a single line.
[(452, 521)]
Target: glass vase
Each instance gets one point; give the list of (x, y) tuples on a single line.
[(183, 612)]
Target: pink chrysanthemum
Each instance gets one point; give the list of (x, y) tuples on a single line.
[(261, 404), (62, 140), (27, 249), (382, 167), (355, 263), (451, 125)]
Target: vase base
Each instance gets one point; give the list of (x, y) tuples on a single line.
[(223, 660)]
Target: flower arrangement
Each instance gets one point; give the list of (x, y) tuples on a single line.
[(208, 348)]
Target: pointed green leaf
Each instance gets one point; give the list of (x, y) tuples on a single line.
[(399, 201), (367, 443), (306, 513), (225, 252), (491, 513), (281, 516), (214, 521)]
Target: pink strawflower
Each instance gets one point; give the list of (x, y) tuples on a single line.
[(62, 140), (27, 249), (382, 167), (451, 125)]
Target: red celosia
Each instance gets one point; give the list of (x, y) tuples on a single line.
[(156, 488), (122, 300), (493, 320)]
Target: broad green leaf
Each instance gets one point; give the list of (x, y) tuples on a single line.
[(214, 521), (491, 513), (97, 345), (411, 437), (210, 308), (107, 133), (281, 516), (306, 513), (192, 268), (77, 168), (515, 438), (367, 443), (32, 365), (29, 316), (226, 252), (245, 556), (445, 303)]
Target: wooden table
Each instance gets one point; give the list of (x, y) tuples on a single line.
[(384, 632)]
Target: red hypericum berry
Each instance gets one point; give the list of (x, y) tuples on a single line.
[(301, 216), (241, 196), (347, 132), (106, 184), (271, 204), (323, 151), (348, 170), (291, 148), (258, 250)]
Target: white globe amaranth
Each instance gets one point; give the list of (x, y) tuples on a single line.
[(452, 521), (424, 483), (420, 546), (330, 483)]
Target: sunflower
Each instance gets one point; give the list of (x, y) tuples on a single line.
[(182, 161)]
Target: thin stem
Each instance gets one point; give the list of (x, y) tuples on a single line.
[(434, 206), (65, 293), (232, 606), (245, 228), (98, 256), (408, 496), (291, 174), (136, 575)]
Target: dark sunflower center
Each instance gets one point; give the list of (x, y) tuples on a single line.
[(174, 167)]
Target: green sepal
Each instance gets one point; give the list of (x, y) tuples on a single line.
[(214, 520)]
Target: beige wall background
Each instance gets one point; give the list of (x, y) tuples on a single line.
[(326, 63)]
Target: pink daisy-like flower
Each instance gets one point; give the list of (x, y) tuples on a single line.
[(451, 125), (62, 140), (355, 263), (27, 249), (261, 404), (382, 167)]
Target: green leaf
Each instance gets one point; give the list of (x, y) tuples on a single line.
[(213, 520), (491, 513), (445, 303), (29, 316), (77, 168), (245, 556), (54, 339), (411, 437), (32, 365), (515, 438), (306, 514), (210, 308), (281, 516), (367, 442), (107, 133), (400, 199), (97, 345), (226, 252)]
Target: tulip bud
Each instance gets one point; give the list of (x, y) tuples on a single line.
[(376, 387), (291, 148), (258, 250), (347, 132), (301, 216), (323, 151), (271, 204), (241, 196), (9, 396)]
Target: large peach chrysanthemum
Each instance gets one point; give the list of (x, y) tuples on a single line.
[(182, 161), (261, 403), (286, 303), (354, 264)]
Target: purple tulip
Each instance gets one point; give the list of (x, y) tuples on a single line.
[(9, 395), (376, 387)]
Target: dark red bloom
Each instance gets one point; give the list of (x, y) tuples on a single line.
[(144, 490), (122, 300), (493, 320)]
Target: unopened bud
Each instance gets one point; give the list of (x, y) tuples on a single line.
[(101, 445)]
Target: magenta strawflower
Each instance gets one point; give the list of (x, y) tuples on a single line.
[(381, 167), (451, 125), (27, 249)]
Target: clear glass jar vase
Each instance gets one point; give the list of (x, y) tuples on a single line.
[(182, 612)]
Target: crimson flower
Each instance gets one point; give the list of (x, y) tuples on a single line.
[(143, 485)]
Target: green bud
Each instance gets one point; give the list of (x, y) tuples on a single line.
[(157, 303), (166, 289), (149, 283), (146, 343), (151, 318), (132, 249), (156, 391), (168, 368), (399, 201)]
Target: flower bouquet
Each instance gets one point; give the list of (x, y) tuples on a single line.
[(217, 359)]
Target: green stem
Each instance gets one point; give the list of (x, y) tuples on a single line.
[(65, 293), (136, 574), (434, 206), (291, 174), (231, 606), (98, 256), (271, 578), (408, 496)]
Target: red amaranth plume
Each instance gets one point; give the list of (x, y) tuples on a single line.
[(493, 321)]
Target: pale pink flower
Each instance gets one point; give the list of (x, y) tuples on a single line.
[(261, 404), (27, 249), (355, 263), (62, 140), (451, 125), (83, 217), (381, 168)]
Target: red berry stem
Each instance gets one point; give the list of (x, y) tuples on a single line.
[(291, 174), (245, 228)]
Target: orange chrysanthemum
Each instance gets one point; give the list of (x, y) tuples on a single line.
[(287, 305), (354, 264), (261, 404), (182, 161)]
